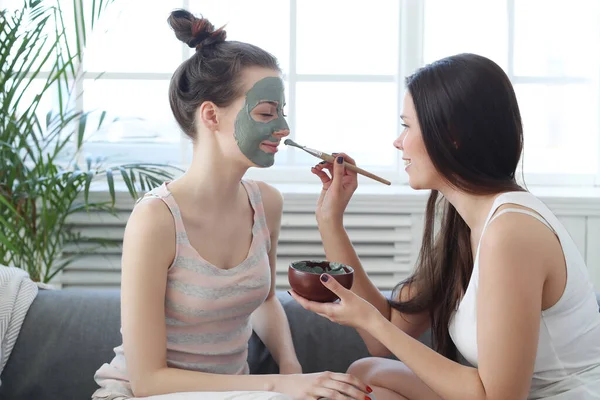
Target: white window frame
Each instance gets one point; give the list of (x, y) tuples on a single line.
[(410, 54), (538, 179)]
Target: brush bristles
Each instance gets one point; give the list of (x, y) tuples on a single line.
[(290, 142)]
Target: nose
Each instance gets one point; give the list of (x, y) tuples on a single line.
[(281, 133), (399, 142)]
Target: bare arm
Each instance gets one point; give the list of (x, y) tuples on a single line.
[(270, 321), (508, 318), (339, 248)]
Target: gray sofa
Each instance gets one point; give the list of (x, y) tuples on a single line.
[(69, 333)]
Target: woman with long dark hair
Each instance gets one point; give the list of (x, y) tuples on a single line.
[(499, 281)]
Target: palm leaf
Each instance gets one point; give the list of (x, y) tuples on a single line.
[(111, 185), (128, 182), (38, 191)]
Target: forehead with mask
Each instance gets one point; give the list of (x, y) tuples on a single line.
[(251, 131)]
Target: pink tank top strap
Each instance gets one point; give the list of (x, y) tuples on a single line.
[(163, 193), (260, 226)]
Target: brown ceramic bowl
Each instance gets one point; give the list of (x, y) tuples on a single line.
[(305, 279)]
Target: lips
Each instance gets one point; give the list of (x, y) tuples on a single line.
[(269, 147)]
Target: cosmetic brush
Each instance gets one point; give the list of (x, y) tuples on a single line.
[(329, 158)]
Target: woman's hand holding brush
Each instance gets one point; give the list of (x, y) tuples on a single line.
[(338, 188)]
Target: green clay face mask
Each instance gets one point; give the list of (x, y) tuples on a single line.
[(250, 133)]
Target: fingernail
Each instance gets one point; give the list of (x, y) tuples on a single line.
[(290, 295), (324, 278), (323, 162), (333, 154), (369, 390), (367, 398), (340, 160)]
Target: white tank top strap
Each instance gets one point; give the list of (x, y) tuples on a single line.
[(522, 211)]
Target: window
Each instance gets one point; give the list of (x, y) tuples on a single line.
[(136, 57), (549, 49), (344, 65)]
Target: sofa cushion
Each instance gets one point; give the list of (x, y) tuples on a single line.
[(68, 334), (65, 337)]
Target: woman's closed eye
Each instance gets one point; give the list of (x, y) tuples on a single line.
[(265, 112)]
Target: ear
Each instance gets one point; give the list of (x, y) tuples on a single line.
[(208, 115)]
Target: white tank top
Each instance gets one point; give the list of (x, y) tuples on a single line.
[(567, 364)]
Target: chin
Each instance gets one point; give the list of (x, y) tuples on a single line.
[(418, 185), (267, 165), (414, 186)]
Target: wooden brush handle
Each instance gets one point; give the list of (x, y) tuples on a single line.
[(352, 167)]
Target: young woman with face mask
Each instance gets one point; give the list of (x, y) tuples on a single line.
[(501, 281), (199, 253)]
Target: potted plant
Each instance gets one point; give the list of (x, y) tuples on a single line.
[(44, 177)]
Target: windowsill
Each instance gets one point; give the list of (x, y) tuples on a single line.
[(397, 198), (372, 189), (405, 190)]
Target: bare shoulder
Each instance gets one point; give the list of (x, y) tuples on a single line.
[(151, 215), (149, 233), (272, 197), (272, 201), (516, 239)]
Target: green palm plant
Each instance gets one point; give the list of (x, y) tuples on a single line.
[(44, 179)]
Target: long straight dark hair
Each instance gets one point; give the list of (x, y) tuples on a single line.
[(471, 127)]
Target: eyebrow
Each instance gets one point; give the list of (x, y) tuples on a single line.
[(273, 103), (404, 117)]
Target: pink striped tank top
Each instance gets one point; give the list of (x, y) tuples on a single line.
[(207, 309)]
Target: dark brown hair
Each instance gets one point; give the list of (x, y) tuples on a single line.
[(213, 73), (471, 127)]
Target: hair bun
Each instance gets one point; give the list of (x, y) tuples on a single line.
[(193, 31)]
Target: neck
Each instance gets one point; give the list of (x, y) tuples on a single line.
[(211, 179), (472, 208)]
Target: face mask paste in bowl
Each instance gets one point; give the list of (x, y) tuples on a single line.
[(305, 278)]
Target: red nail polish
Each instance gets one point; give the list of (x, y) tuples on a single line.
[(369, 390), (367, 398)]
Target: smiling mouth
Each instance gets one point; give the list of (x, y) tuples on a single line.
[(407, 163)]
